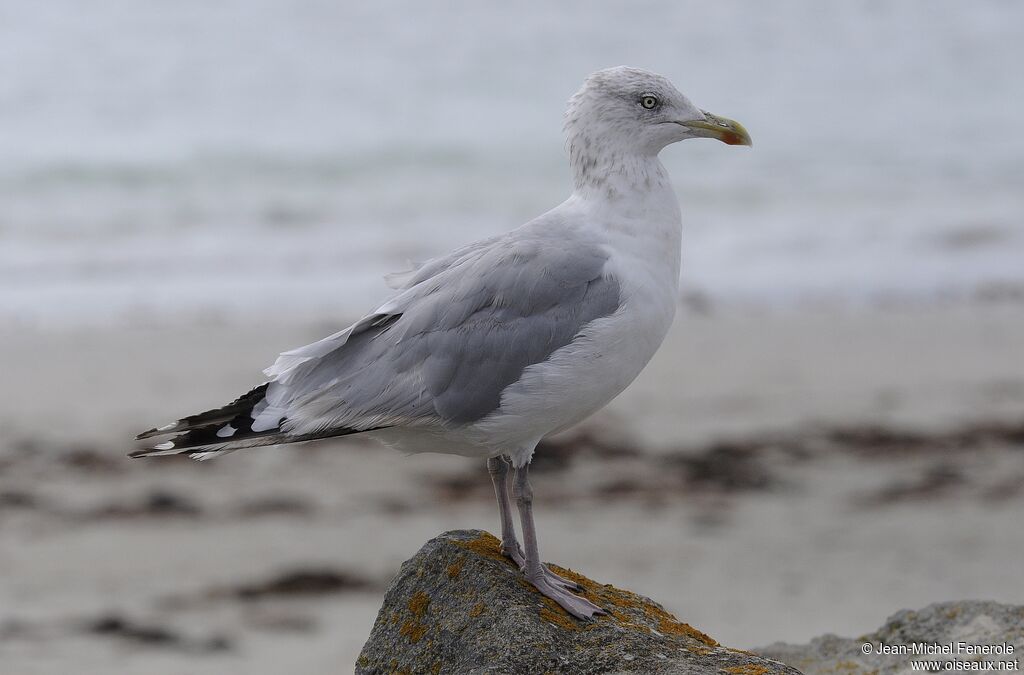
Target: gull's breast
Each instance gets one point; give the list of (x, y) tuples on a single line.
[(583, 376)]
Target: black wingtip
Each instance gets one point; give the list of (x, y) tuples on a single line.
[(171, 428), (242, 405), (162, 449)]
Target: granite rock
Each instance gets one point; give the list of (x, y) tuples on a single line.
[(459, 606), (941, 633)]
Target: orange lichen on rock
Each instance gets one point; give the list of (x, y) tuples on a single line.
[(746, 669), (477, 610), (560, 619), (455, 568), (486, 545), (413, 628), (670, 626), (418, 604), (553, 613)]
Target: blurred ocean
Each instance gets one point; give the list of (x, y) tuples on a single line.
[(161, 161)]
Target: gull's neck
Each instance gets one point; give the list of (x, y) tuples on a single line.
[(631, 195)]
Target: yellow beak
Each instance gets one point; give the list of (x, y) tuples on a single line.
[(728, 131)]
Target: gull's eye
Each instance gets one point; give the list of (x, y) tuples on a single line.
[(649, 102)]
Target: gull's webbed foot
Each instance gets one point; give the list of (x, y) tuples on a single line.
[(581, 608), (514, 553)]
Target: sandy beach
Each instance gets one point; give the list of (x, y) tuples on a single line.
[(793, 472)]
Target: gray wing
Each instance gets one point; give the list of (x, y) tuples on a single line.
[(420, 272), (442, 351)]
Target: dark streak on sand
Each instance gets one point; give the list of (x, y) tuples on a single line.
[(310, 582), (159, 503), (151, 635)]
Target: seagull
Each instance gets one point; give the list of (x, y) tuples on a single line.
[(486, 351)]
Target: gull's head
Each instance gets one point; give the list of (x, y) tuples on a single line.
[(627, 109)]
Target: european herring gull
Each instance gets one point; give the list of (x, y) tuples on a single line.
[(489, 349)]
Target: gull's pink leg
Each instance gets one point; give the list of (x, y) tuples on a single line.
[(498, 468), (579, 607)]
